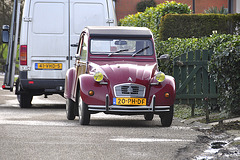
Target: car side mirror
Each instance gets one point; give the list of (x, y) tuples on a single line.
[(164, 57), (5, 33)]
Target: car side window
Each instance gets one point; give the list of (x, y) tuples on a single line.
[(84, 48)]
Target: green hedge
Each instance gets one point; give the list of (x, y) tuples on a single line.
[(194, 25), (225, 67), (177, 46), (198, 25)]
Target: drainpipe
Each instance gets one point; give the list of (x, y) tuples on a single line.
[(230, 6), (193, 4), (230, 10)]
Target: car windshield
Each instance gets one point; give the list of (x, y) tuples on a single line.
[(132, 47)]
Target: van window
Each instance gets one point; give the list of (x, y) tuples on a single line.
[(48, 18)]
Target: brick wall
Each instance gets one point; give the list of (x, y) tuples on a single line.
[(126, 7)]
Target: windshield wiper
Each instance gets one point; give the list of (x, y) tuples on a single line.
[(140, 50), (121, 50)]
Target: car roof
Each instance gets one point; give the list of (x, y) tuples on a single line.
[(119, 32)]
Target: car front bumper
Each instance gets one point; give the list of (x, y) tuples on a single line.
[(128, 109)]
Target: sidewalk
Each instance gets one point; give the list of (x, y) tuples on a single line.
[(212, 130)]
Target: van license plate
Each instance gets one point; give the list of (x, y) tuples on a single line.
[(48, 66), (129, 101)]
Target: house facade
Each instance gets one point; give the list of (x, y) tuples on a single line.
[(126, 7)]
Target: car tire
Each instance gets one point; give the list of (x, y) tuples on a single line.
[(148, 116), (84, 115), (25, 100), (167, 117), (70, 104)]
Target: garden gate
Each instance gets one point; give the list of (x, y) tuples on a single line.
[(194, 86)]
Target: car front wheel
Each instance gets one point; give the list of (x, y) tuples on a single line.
[(84, 115), (167, 117), (70, 109)]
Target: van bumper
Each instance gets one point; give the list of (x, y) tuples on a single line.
[(40, 86), (49, 85)]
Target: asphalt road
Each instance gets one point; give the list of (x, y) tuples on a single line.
[(43, 132)]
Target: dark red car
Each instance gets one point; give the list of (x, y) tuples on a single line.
[(117, 73)]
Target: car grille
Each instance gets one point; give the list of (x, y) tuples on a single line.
[(129, 90)]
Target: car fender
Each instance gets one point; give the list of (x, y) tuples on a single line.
[(168, 86), (87, 83), (69, 82)]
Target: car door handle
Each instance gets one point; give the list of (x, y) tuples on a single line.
[(74, 45)]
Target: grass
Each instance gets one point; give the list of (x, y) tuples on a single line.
[(184, 111), (5, 47)]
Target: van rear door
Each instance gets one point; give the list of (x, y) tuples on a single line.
[(48, 39), (87, 13)]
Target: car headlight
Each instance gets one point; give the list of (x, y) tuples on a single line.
[(98, 76), (160, 76)]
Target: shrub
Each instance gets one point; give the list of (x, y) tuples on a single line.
[(177, 46), (141, 6), (222, 10), (225, 68)]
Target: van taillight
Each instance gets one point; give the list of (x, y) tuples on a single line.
[(23, 55)]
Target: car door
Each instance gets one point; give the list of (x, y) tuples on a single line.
[(81, 59)]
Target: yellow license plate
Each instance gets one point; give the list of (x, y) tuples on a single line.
[(129, 101), (48, 66)]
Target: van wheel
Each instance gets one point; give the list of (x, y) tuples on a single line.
[(167, 117), (18, 89), (70, 109), (148, 116), (25, 100), (84, 115)]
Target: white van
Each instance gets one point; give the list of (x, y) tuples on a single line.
[(49, 35)]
